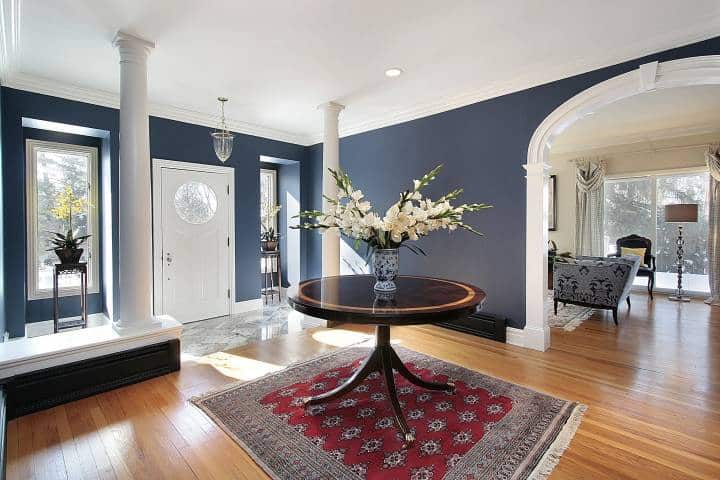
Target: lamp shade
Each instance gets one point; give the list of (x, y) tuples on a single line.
[(681, 212)]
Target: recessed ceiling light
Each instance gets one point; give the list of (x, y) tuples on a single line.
[(393, 72)]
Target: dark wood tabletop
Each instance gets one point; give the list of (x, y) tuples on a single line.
[(418, 300)]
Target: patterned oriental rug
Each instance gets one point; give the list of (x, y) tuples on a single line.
[(486, 429)]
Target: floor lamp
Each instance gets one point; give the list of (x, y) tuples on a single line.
[(680, 213)]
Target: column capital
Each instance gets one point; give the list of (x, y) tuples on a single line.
[(537, 169), (131, 47), (333, 107)]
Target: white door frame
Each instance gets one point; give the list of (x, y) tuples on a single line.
[(157, 165), (684, 72)]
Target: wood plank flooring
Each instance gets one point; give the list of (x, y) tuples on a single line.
[(652, 386)]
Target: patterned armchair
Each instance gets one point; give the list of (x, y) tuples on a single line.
[(596, 282)]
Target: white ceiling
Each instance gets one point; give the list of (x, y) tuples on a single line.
[(278, 60), (656, 115)]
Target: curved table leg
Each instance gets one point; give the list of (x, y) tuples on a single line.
[(383, 359), (386, 363), (371, 364), (398, 365)]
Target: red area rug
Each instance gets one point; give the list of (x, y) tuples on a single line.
[(486, 429)]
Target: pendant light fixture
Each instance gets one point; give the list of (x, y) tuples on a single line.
[(222, 137)]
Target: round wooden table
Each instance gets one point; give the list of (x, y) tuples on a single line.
[(418, 300)]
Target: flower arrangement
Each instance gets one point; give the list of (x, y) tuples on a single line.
[(409, 219)]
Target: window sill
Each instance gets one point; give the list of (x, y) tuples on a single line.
[(65, 292)]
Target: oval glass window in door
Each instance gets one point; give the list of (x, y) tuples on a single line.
[(195, 202)]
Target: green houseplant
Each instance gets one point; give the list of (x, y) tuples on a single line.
[(269, 238), (67, 245)]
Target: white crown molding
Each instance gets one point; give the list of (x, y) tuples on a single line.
[(708, 28), (9, 53), (636, 138), (9, 37), (31, 83)]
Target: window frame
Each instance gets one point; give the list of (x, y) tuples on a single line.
[(653, 176), (32, 146), (273, 174)]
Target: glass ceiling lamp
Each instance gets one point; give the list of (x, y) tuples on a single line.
[(222, 137)]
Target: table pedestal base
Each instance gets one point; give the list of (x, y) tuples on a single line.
[(383, 359)]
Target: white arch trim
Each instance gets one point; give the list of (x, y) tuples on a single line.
[(651, 76)]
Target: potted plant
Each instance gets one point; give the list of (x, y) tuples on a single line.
[(269, 238), (66, 245), (412, 217)]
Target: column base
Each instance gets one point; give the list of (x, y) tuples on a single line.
[(136, 326), (536, 338)]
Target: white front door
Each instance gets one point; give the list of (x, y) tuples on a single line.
[(195, 236)]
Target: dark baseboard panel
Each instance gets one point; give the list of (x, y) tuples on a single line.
[(481, 324), (34, 391)]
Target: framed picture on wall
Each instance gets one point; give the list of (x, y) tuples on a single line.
[(552, 203)]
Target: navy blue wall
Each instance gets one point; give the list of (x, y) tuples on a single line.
[(483, 147), (168, 139), (191, 143), (16, 105), (38, 310)]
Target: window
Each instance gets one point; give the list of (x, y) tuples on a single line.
[(268, 197), (60, 175), (637, 205)]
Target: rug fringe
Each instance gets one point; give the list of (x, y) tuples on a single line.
[(550, 459), (573, 324)]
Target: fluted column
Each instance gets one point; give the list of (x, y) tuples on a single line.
[(134, 198), (331, 159)]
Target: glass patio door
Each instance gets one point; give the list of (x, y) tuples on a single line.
[(636, 205)]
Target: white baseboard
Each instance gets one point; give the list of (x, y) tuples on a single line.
[(255, 303), (535, 339), (247, 306), (515, 336)]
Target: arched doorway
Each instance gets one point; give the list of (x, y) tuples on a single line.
[(651, 76)]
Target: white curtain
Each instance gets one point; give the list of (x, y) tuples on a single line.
[(589, 178), (713, 162)]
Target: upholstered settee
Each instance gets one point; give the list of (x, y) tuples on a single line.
[(597, 282)]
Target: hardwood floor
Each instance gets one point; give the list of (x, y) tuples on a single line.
[(651, 384)]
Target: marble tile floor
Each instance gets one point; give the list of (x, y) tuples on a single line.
[(222, 333)]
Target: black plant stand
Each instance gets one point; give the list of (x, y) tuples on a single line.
[(270, 260), (70, 269)]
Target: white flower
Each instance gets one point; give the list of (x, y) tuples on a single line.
[(356, 195), (364, 206), (415, 196), (416, 184), (371, 220), (412, 234)]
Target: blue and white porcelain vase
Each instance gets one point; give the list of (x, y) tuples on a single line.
[(386, 262)]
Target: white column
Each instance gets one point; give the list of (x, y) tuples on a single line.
[(536, 333), (135, 247), (331, 159)]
